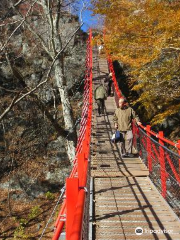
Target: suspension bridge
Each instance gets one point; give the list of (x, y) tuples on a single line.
[(109, 197)]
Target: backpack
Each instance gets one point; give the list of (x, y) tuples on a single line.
[(117, 137)]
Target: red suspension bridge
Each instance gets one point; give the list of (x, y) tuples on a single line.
[(107, 197)]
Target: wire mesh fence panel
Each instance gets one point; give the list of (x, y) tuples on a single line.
[(155, 174), (141, 146), (165, 166), (85, 227), (173, 180)]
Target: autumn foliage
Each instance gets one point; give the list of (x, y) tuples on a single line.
[(144, 35)]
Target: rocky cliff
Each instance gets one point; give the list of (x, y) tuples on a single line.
[(33, 158)]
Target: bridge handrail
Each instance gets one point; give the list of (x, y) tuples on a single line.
[(72, 208), (158, 136)]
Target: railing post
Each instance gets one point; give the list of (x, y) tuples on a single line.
[(85, 148), (72, 189), (80, 160), (163, 166), (148, 146), (134, 129)]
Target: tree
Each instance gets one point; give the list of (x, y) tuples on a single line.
[(141, 34), (32, 29)]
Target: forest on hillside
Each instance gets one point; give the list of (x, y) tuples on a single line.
[(144, 36)]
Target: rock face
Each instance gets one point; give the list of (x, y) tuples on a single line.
[(33, 158)]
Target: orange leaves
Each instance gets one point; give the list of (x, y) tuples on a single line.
[(139, 29), (145, 35)]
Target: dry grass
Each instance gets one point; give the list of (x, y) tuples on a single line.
[(25, 219)]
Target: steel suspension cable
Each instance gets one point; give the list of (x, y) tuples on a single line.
[(54, 209)]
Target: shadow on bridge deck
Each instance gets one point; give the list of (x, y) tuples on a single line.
[(124, 197)]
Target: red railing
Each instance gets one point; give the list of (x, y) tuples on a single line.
[(161, 155), (72, 209), (159, 149)]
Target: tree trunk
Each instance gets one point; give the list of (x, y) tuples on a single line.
[(67, 112)]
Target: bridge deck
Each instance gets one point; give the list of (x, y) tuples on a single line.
[(124, 196)]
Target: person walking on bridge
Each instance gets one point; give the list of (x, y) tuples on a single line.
[(100, 48), (100, 94), (110, 85), (123, 117)]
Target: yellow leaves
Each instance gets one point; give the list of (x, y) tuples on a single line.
[(138, 87), (159, 118), (97, 40), (159, 88), (143, 28), (138, 33)]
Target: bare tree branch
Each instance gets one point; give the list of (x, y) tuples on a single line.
[(21, 23), (9, 23), (16, 99), (34, 33), (19, 2), (7, 90), (60, 130), (40, 38), (84, 7), (173, 48), (10, 106)]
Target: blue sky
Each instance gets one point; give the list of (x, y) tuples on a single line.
[(89, 21)]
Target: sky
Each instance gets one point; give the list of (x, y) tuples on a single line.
[(89, 21)]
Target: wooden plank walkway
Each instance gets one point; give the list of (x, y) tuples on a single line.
[(124, 196)]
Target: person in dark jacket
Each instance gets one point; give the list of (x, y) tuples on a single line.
[(110, 85), (100, 94), (123, 117)]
